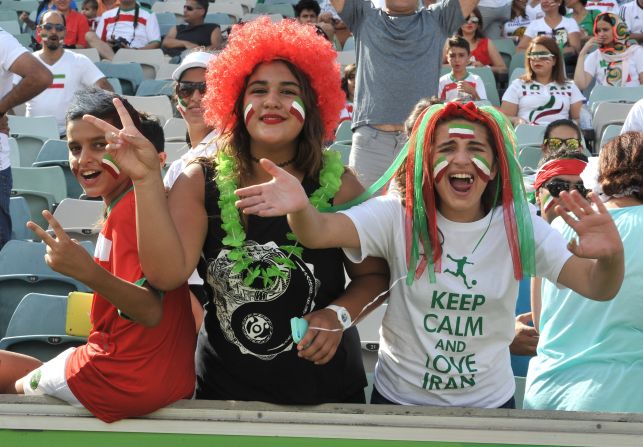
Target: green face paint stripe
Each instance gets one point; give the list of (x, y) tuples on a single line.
[(110, 165), (439, 166), (482, 164), (461, 126)]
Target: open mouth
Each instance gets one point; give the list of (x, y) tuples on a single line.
[(90, 175), (461, 182)]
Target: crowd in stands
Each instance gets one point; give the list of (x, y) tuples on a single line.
[(275, 220)]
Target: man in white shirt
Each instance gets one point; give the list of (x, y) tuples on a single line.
[(71, 71), (14, 59), (128, 26), (632, 15)]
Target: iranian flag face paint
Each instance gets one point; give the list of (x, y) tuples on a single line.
[(181, 105), (546, 199), (439, 168), (248, 112), (461, 130), (109, 164), (298, 110), (482, 166)]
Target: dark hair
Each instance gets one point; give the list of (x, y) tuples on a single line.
[(203, 4), (518, 10), (309, 142), (307, 4), (558, 70), (53, 11), (562, 10), (92, 3), (560, 123), (621, 164), (152, 130), (457, 41), (350, 69), (478, 34), (100, 103)]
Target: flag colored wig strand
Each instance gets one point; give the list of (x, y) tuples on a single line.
[(261, 41), (420, 200)]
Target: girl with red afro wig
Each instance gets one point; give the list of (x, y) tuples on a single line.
[(274, 94)]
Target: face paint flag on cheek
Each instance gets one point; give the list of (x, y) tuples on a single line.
[(461, 130), (109, 164), (439, 168), (297, 110), (248, 112), (547, 200), (483, 168), (181, 105)]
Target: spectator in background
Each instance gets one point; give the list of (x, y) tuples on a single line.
[(71, 72), (307, 11), (194, 33), (589, 353), (90, 11), (14, 60), (128, 26), (563, 29), (106, 5), (584, 17), (348, 85), (618, 61), (634, 120), (518, 22), (406, 46), (43, 7), (483, 51), (542, 94), (534, 10), (460, 84), (632, 15), (494, 13), (75, 23)]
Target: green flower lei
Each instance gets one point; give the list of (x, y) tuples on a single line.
[(226, 181)]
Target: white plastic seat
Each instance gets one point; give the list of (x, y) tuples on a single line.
[(175, 129), (159, 106), (91, 53), (150, 60)]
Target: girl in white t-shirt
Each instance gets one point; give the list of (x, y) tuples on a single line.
[(542, 94), (564, 29), (462, 234), (518, 22), (534, 10), (618, 61)]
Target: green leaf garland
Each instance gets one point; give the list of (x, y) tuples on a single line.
[(235, 236)]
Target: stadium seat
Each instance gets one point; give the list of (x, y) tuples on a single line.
[(285, 10), (175, 150), (517, 61), (7, 15), (37, 327), (154, 87), (175, 8), (234, 10), (275, 18), (529, 134), (369, 334), (23, 270), (165, 71), (344, 132), (607, 113), (37, 126), (166, 21), (150, 60), (56, 153), (91, 53), (280, 2), (43, 188), (609, 133), (489, 81), (175, 129), (602, 93), (19, 211), (81, 219), (349, 45), (219, 18), (116, 85), (24, 39), (529, 156), (518, 72), (519, 394), (159, 106), (11, 26), (343, 149), (14, 152), (346, 57), (248, 5), (130, 74), (22, 5)]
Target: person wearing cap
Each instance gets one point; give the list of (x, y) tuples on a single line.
[(194, 33), (189, 91)]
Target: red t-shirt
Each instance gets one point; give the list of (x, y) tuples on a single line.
[(126, 369), (481, 52), (77, 26)]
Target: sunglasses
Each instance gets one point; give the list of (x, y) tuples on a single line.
[(555, 187), (58, 27), (557, 143), (536, 55), (185, 89), (473, 20), (191, 8)]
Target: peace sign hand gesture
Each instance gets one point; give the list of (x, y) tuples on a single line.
[(134, 154), (63, 254)]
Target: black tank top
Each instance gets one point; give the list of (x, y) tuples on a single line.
[(245, 349)]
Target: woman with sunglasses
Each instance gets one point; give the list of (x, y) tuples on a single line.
[(542, 94), (483, 51), (271, 100), (589, 353), (618, 61), (563, 29), (562, 134), (194, 33)]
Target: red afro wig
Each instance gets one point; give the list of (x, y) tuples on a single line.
[(261, 41)]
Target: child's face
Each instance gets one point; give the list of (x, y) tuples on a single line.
[(458, 58), (89, 11), (459, 151), (86, 144)]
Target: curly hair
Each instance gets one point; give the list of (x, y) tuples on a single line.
[(260, 41), (621, 164)]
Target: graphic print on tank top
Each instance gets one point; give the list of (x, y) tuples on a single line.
[(254, 318)]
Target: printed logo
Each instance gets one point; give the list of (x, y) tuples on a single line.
[(35, 379), (459, 273), (257, 328)]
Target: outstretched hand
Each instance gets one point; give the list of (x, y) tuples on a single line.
[(597, 233), (63, 254), (278, 197), (134, 154)]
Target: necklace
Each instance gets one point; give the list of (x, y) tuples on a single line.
[(235, 235), (281, 165)]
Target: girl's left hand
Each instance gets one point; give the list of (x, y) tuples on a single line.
[(63, 254), (320, 346), (597, 233)]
